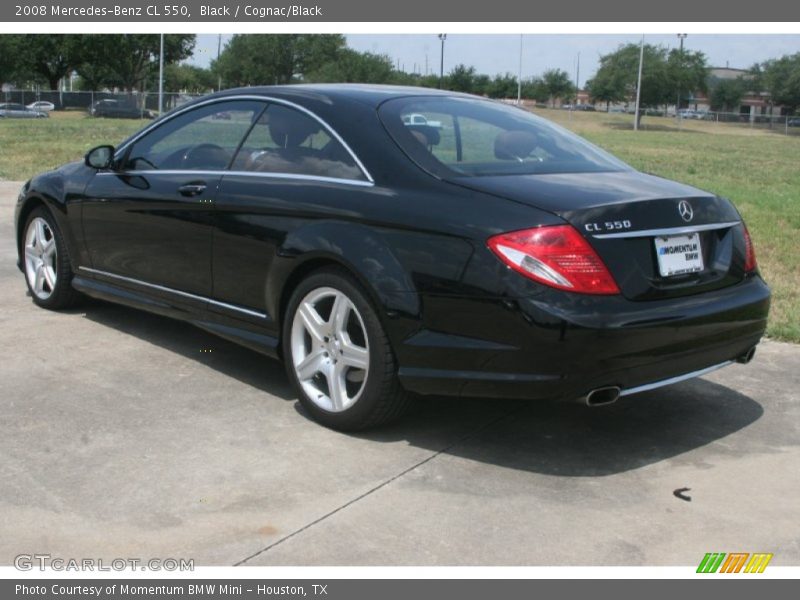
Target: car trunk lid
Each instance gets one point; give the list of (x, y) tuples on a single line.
[(658, 238)]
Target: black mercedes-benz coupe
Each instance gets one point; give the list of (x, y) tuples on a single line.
[(388, 241)]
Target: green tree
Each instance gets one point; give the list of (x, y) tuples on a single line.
[(503, 86), (557, 84), (127, 60), (275, 58), (43, 57), (534, 89), (10, 55), (483, 85), (781, 78), (92, 68), (351, 66), (188, 78), (621, 67), (461, 79), (688, 72), (726, 94), (607, 86)]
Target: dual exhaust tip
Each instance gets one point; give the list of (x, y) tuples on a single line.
[(603, 396)]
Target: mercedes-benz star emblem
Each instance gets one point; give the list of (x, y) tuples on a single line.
[(685, 211)]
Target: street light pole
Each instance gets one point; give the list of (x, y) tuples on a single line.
[(161, 77), (519, 74), (577, 77), (681, 37), (639, 86), (442, 37), (219, 50)]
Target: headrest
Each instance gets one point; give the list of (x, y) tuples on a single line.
[(425, 134), (514, 145), (289, 129)]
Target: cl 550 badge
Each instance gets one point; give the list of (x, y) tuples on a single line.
[(608, 226)]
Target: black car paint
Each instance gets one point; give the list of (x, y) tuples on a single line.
[(460, 321)]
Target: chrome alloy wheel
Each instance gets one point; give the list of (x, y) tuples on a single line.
[(41, 258), (330, 350)]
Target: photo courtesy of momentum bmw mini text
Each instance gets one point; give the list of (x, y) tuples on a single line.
[(320, 300)]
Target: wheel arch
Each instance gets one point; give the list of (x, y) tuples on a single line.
[(58, 210), (30, 204), (356, 249)]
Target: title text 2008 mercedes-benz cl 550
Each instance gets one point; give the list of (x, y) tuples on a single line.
[(477, 251)]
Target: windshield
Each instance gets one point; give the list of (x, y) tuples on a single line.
[(471, 137)]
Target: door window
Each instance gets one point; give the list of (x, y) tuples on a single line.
[(204, 139)]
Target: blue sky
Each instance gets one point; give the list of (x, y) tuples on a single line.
[(494, 54)]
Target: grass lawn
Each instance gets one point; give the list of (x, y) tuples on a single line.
[(756, 169), (29, 146)]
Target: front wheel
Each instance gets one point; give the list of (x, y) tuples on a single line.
[(338, 356), (47, 267)]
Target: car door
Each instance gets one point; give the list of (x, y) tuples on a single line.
[(290, 170), (149, 220)]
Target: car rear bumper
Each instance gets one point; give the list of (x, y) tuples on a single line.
[(564, 345)]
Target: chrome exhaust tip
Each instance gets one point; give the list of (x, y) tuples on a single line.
[(747, 356), (602, 396)]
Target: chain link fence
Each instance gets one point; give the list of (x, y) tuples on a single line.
[(62, 100), (785, 124)]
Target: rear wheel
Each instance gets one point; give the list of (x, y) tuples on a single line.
[(47, 267), (338, 355)]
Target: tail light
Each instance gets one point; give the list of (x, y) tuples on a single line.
[(750, 263), (557, 256)]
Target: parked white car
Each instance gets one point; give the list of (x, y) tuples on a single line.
[(42, 106), (418, 119)]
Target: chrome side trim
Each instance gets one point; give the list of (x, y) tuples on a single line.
[(162, 288), (666, 231), (291, 176), (159, 122), (671, 380)]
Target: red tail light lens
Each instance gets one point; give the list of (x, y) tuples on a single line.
[(557, 256), (750, 263)]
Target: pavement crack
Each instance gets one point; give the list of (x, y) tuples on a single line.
[(383, 484)]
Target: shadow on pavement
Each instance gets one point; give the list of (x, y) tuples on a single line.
[(553, 438), (247, 366)]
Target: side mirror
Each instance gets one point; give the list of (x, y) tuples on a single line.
[(100, 157)]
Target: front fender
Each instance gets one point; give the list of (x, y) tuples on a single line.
[(61, 191)]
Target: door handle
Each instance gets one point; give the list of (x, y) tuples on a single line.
[(192, 189)]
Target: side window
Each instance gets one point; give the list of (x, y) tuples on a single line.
[(287, 141), (205, 138)]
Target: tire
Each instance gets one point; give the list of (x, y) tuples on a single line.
[(46, 263), (338, 356)]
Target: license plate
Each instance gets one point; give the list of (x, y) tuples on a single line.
[(679, 254)]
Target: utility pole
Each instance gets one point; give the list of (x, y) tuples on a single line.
[(442, 37), (681, 37), (639, 86), (577, 77), (161, 78), (519, 74)]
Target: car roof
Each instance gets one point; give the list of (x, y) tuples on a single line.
[(370, 94)]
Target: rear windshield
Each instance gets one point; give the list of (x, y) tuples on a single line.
[(459, 137)]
